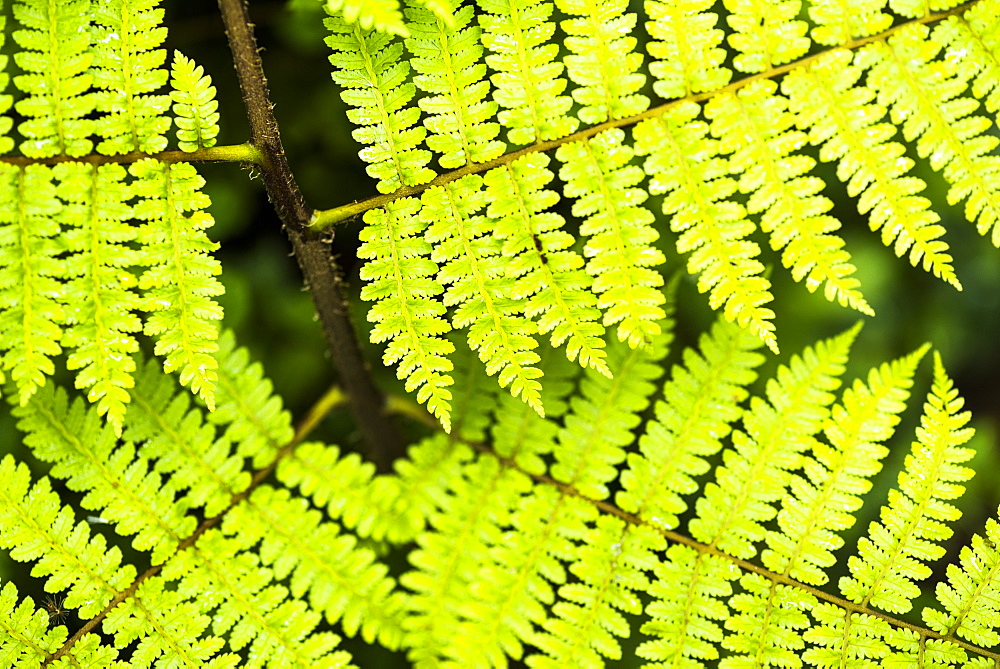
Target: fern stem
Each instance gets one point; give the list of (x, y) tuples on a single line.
[(234, 153), (324, 218), (323, 278)]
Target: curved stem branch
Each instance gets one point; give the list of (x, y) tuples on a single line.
[(322, 276)]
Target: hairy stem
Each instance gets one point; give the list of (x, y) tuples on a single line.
[(322, 276)]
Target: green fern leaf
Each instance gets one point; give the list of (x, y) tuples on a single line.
[(25, 637), (701, 401), (687, 44), (379, 15), (687, 602), (252, 416), (120, 487), (611, 566), (969, 597), (684, 164), (367, 67), (401, 281), (180, 281), (756, 471), (127, 68), (474, 272), (519, 433), (924, 99), (195, 108), (35, 526), (890, 558), (755, 126), (601, 416), (603, 63), (174, 435), (56, 61), (620, 248), (340, 580), (766, 33), (972, 42), (873, 167), (103, 296), (837, 22), (30, 310), (820, 502), (528, 81), (537, 251), (447, 58)]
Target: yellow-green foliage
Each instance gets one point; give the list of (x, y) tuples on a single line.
[(728, 147), (609, 505)]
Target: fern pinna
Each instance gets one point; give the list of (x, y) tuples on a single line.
[(620, 501)]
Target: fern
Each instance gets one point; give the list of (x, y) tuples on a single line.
[(579, 493)]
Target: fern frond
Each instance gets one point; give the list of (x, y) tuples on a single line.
[(120, 486), (477, 396), (339, 579), (602, 61), (173, 434), (684, 163), (516, 582), (528, 81), (972, 43), (874, 168), (601, 416), (401, 280), (56, 60), (252, 416), (837, 22), (620, 248), (755, 473), (840, 637), (196, 111), (31, 313), (180, 282), (766, 630), (611, 564), (467, 520), (538, 252), (687, 44), (756, 127), (448, 61), (25, 637), (891, 556), (367, 66), (700, 402), (127, 68), (475, 273), (585, 618), (821, 501), (103, 296), (769, 618), (342, 484), (924, 98), (970, 597), (522, 435), (766, 33), (688, 596), (249, 610), (34, 526), (384, 16)]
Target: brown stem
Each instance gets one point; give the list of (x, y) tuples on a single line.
[(322, 276)]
